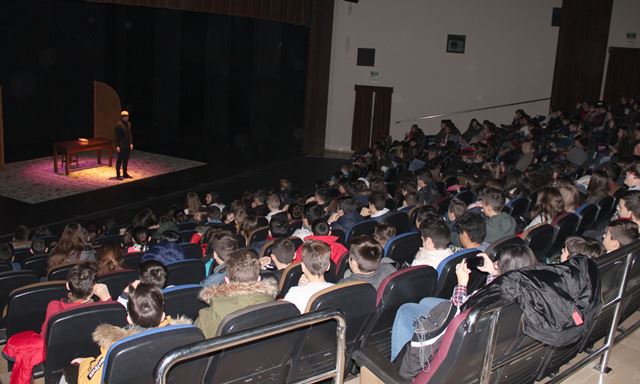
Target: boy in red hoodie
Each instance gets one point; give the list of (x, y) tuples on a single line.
[(322, 232)]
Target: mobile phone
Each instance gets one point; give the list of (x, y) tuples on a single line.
[(475, 262)]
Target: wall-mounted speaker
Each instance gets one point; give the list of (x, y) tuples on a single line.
[(456, 43), (555, 17)]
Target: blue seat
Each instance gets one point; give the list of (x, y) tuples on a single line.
[(403, 248), (447, 279), (185, 272), (366, 227), (588, 214), (183, 300)]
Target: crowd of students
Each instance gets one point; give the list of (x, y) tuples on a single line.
[(560, 162)]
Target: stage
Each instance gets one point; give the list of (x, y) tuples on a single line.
[(34, 181)]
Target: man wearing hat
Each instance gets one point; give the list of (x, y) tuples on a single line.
[(124, 144)]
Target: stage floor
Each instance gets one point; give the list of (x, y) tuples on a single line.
[(33, 181)]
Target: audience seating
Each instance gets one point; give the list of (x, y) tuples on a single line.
[(607, 207), (399, 220), (441, 206), (38, 264), (108, 239), (186, 235), (132, 260), (565, 225), (366, 227), (118, 281), (187, 226), (69, 336), (19, 255), (258, 235), (27, 305), (632, 291), (5, 266), (60, 272), (403, 248), (265, 250), (467, 196), (183, 300), (518, 207), (192, 251), (290, 277), (342, 266), (447, 274), (12, 280), (495, 248), (588, 216), (409, 285), (185, 272), (540, 240)]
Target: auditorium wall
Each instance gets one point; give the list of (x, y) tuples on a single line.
[(509, 57)]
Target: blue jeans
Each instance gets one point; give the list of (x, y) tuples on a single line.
[(403, 328)]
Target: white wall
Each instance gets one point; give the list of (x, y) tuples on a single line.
[(625, 17), (509, 57)]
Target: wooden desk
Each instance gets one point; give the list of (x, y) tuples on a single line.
[(69, 148)]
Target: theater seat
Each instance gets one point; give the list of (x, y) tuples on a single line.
[(467, 196), (366, 227), (69, 336), (342, 266), (60, 272), (185, 272), (38, 264), (403, 248), (12, 280), (133, 359), (540, 240), (495, 248), (518, 207), (442, 206), (607, 207), (399, 220), (192, 251), (565, 225), (259, 234), (132, 260), (290, 278), (447, 279), (183, 300), (409, 285), (588, 214), (28, 305), (118, 281), (108, 239)]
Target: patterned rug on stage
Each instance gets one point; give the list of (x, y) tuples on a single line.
[(33, 181)]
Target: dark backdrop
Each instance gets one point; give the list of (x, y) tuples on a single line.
[(201, 86)]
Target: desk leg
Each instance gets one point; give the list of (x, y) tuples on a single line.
[(55, 160), (66, 171), (99, 156)]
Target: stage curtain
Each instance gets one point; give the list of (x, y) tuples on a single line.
[(580, 56), (288, 11), (381, 113), (623, 74)]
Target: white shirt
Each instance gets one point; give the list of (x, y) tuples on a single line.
[(380, 213), (302, 233), (301, 294), (432, 258), (270, 214)]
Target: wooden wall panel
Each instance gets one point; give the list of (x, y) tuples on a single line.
[(106, 109)]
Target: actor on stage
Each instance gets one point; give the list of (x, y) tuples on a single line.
[(124, 144)]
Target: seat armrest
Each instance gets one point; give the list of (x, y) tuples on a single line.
[(38, 371), (71, 373), (379, 365), (3, 336)]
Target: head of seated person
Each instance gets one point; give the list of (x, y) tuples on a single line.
[(456, 209), (629, 206), (620, 233), (81, 284), (153, 273), (316, 260), (425, 212), (383, 232), (576, 245), (282, 253), (279, 225), (109, 258), (364, 255), (548, 206), (38, 246), (273, 202), (472, 229)]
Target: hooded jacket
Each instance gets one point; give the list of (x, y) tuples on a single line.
[(499, 226), (227, 298), (337, 249), (90, 370), (559, 302)]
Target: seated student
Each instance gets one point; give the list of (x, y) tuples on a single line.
[(629, 206), (473, 230), (141, 239), (152, 273), (377, 209), (427, 193), (321, 232), (409, 202), (167, 250), (435, 243), (632, 177), (242, 288), (273, 203), (365, 255), (456, 209), (145, 310), (576, 245), (499, 224), (316, 257), (425, 212), (548, 206), (278, 228), (38, 247), (26, 348), (512, 257), (310, 213), (620, 233), (21, 238), (222, 246), (383, 232), (6, 255), (282, 253), (109, 259), (214, 215), (346, 216)]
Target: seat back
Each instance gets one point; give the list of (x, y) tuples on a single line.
[(342, 266), (38, 264), (27, 305), (118, 281), (467, 196), (442, 206), (494, 250), (366, 227), (12, 280), (607, 207), (403, 248), (187, 225), (447, 279), (185, 272), (259, 234), (133, 359), (192, 251), (227, 366), (108, 239), (183, 300), (60, 272), (186, 235), (317, 351), (409, 285), (565, 225), (5, 266), (19, 255), (519, 206), (540, 240), (399, 220), (588, 215), (69, 334), (290, 278), (132, 260)]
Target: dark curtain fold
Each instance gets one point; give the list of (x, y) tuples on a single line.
[(288, 11), (580, 56), (623, 74), (381, 113), (361, 130)]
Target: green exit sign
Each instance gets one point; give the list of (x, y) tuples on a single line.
[(631, 35)]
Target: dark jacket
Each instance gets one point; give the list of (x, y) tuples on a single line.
[(122, 135), (499, 226), (428, 195), (344, 223), (551, 298)]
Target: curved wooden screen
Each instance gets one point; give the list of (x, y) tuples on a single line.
[(106, 109)]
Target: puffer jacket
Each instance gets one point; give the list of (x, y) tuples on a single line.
[(90, 370), (559, 302), (499, 226), (227, 298)]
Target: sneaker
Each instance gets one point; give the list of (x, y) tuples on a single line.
[(127, 176), (118, 177)]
